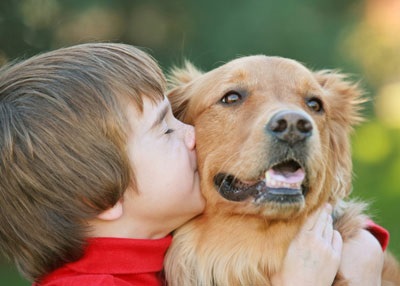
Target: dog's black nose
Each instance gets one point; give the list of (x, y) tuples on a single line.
[(290, 126)]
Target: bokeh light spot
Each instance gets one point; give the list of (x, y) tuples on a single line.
[(371, 143), (388, 105)]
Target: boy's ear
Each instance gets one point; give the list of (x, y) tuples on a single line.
[(113, 213), (179, 82)]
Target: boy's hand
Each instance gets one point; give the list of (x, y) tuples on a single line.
[(313, 257), (362, 260)]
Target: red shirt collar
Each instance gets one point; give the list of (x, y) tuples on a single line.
[(122, 256), (381, 234)]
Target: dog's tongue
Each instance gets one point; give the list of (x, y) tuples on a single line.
[(285, 179)]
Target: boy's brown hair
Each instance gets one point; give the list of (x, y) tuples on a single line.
[(62, 146)]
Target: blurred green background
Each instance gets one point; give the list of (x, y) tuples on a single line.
[(358, 37)]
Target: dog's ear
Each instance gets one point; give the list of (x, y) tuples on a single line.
[(344, 96), (345, 100), (179, 80)]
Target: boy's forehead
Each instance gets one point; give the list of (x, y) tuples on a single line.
[(159, 111), (146, 103), (151, 115), (155, 107)]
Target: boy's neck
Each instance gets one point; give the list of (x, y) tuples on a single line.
[(118, 228)]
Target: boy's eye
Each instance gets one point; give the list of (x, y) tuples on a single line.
[(169, 130)]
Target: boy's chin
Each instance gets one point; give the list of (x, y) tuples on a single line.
[(195, 210)]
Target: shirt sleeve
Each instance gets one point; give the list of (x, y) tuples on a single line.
[(380, 233)]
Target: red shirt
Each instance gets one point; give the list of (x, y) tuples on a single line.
[(114, 262), (125, 262), (381, 234)]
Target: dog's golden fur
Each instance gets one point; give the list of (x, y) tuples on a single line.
[(243, 240)]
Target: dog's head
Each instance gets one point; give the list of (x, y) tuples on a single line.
[(272, 136)]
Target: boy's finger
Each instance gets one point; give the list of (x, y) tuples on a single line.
[(321, 223), (337, 242), (328, 231), (322, 220), (312, 220)]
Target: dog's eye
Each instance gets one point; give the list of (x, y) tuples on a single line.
[(315, 104), (231, 97)]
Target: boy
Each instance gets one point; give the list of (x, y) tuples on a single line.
[(96, 172), (65, 161)]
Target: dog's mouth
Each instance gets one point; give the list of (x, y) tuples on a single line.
[(283, 182)]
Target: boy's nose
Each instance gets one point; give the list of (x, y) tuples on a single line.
[(190, 138)]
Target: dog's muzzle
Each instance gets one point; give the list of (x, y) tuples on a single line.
[(283, 183), (284, 180)]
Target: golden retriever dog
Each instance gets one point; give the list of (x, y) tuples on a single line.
[(273, 146)]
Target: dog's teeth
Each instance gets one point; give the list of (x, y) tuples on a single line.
[(278, 180), (270, 182)]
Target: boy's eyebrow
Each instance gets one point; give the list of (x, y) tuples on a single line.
[(160, 116)]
